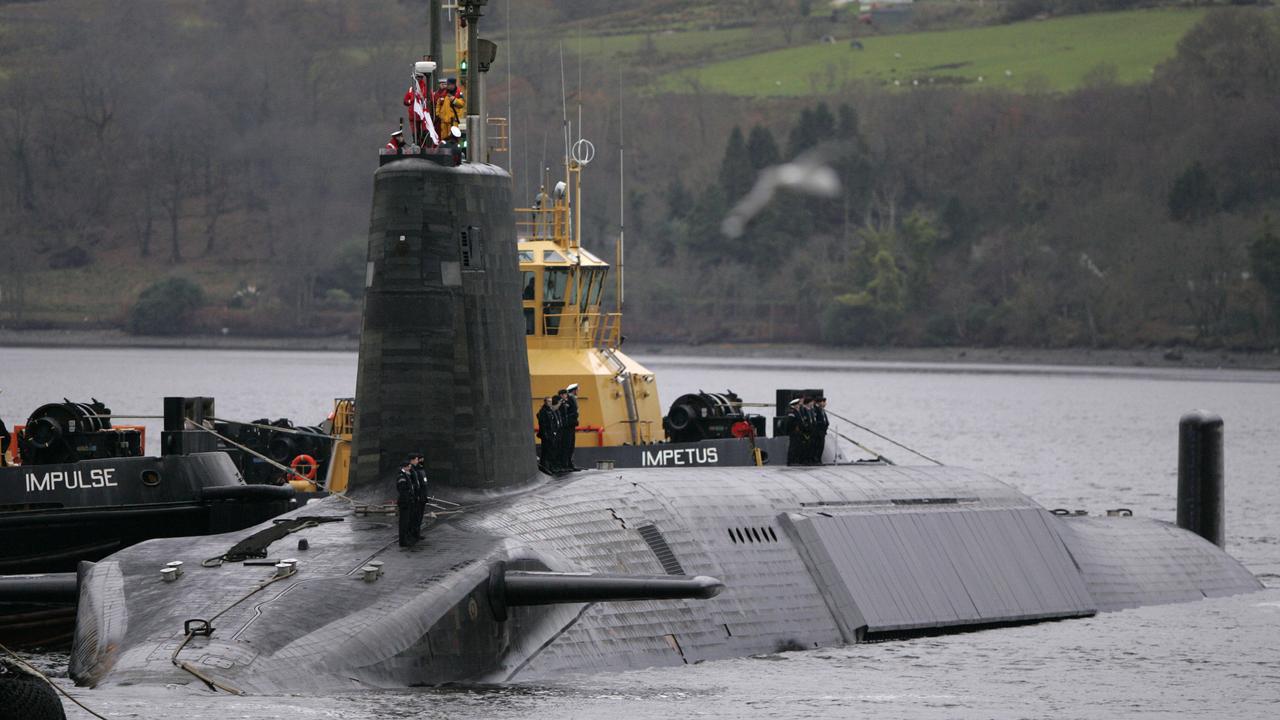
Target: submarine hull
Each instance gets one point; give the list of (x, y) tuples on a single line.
[(809, 557)]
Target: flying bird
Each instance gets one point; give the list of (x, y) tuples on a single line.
[(808, 174)]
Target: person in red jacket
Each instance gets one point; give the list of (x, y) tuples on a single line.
[(419, 101), (396, 144)]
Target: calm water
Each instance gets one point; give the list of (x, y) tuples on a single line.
[(1069, 437)]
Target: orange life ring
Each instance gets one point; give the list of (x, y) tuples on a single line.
[(312, 466)]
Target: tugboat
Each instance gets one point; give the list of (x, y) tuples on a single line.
[(75, 487), (570, 340)]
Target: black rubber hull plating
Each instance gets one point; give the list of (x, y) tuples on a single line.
[(442, 359)]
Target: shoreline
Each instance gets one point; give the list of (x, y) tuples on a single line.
[(962, 356), (1156, 357)]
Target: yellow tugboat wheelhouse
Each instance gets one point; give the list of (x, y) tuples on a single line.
[(570, 339)]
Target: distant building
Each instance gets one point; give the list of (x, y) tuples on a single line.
[(884, 13)]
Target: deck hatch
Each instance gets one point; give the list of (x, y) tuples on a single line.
[(897, 572), (658, 544)]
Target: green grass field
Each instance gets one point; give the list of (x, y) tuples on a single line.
[(671, 41), (1054, 54)]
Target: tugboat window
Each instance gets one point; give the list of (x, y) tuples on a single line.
[(601, 273), (553, 297), (592, 279), (526, 256), (150, 478), (528, 321), (552, 256), (529, 280)]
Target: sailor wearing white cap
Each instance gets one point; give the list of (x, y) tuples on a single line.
[(795, 448), (396, 144), (570, 413)]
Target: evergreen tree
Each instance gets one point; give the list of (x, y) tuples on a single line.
[(824, 123), (801, 137), (1193, 196), (736, 173), (1264, 257), (679, 203), (762, 149), (847, 128), (704, 223), (852, 164)]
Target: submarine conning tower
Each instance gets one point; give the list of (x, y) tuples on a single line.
[(442, 366)]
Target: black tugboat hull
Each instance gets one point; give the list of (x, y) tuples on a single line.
[(52, 517)]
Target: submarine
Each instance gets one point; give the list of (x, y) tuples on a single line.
[(523, 576)]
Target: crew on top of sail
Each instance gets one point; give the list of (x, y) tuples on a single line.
[(435, 116)]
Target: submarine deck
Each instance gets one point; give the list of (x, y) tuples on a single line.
[(809, 556)]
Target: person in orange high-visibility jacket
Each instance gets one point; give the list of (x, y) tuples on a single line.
[(451, 107)]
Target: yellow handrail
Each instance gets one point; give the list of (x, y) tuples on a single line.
[(575, 329), (542, 224)]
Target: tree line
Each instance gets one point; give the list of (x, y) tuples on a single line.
[(231, 143), (1111, 216)]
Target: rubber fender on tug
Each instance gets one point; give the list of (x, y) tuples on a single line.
[(26, 696), (247, 493)]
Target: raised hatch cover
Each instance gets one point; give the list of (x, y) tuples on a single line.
[(885, 573)]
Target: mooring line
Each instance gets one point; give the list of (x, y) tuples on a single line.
[(882, 437), (52, 684)]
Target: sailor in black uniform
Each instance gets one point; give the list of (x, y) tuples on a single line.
[(808, 430), (795, 454), (420, 493), (569, 413), (549, 434), (820, 424), (406, 501), (4, 444)]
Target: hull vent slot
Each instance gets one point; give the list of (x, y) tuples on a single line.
[(658, 544)]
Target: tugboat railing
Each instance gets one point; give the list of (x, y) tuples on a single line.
[(574, 329), (549, 223)]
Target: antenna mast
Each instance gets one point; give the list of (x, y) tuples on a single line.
[(471, 12), (437, 49), (622, 198), (568, 133)]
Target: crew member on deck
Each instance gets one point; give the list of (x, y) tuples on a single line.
[(419, 101), (541, 214), (561, 463), (807, 430), (794, 454), (4, 444), (451, 107), (549, 434), (420, 493), (820, 424), (406, 501), (396, 144), (569, 411), (568, 418)]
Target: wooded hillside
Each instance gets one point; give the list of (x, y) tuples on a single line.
[(230, 144)]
